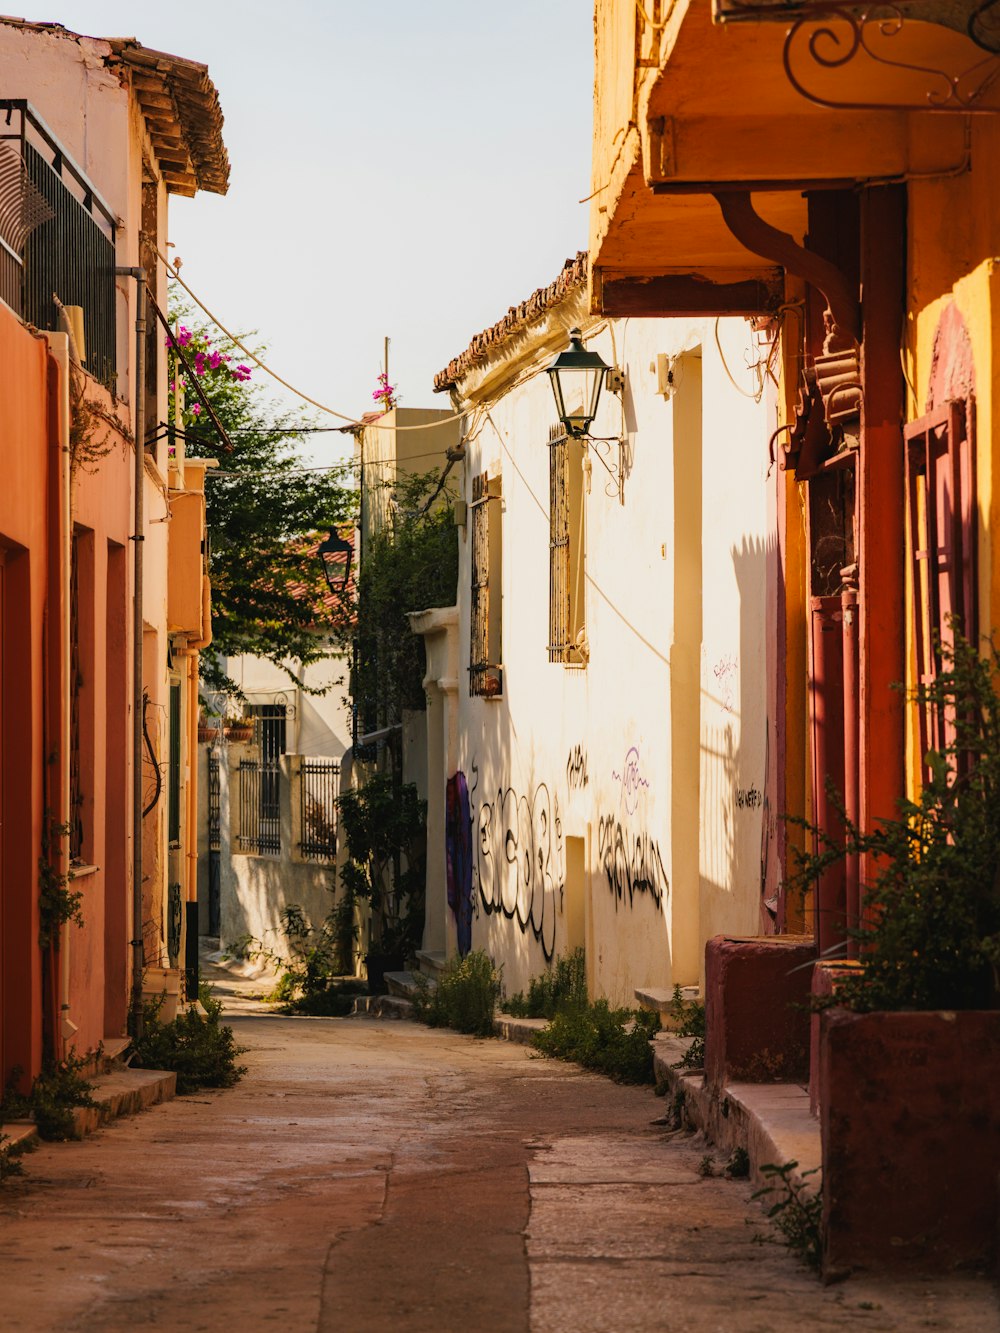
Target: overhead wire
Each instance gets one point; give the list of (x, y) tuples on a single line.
[(299, 393)]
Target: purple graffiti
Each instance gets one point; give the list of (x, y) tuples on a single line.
[(631, 779)]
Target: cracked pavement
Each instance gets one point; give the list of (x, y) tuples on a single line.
[(380, 1175)]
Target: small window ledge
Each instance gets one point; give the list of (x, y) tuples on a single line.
[(80, 871)]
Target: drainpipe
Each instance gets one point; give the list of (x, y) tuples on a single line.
[(138, 538), (852, 730)]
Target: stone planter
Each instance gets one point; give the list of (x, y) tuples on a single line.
[(756, 1008), (239, 734), (163, 983), (910, 1122)]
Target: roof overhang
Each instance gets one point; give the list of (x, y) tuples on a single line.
[(720, 106), (180, 105)]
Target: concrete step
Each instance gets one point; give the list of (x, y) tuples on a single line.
[(660, 1001), (432, 962), (519, 1029), (124, 1092), (402, 984), (770, 1121), (17, 1133), (112, 1055)]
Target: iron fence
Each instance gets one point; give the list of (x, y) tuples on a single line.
[(260, 808), (58, 237), (319, 788), (214, 840)]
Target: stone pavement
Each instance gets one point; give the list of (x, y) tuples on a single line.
[(378, 1175)]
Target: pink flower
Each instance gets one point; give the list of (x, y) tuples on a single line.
[(197, 409)]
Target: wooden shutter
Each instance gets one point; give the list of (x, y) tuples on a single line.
[(559, 584), (941, 500)]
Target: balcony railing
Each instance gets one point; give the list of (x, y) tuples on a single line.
[(57, 237)]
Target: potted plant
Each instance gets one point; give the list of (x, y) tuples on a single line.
[(384, 829), (208, 729), (909, 1059), (239, 729)]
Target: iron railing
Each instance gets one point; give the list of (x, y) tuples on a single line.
[(319, 788), (260, 808), (214, 839), (57, 237)]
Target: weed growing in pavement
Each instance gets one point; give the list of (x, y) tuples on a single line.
[(559, 987), (797, 1212), (688, 1020), (706, 1167), (316, 979), (738, 1166), (611, 1041), (200, 1050), (465, 997)]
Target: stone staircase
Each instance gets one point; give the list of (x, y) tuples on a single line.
[(116, 1090)]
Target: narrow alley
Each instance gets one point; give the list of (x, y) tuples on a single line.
[(377, 1175)]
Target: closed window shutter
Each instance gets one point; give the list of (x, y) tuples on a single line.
[(559, 585), (941, 501)]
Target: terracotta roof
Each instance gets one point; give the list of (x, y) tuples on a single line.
[(179, 103), (324, 603), (573, 275)]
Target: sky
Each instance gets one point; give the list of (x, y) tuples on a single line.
[(400, 168)]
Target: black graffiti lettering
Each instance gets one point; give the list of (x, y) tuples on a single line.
[(749, 798), (576, 768), (519, 861), (632, 862)]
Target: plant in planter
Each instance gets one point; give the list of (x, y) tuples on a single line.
[(239, 729), (384, 828), (909, 1062)]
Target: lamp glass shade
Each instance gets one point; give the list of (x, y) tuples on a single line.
[(577, 377), (335, 554)]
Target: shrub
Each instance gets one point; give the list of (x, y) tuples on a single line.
[(611, 1041), (200, 1050), (465, 997), (931, 935), (313, 980), (562, 986), (55, 1092), (689, 1021)]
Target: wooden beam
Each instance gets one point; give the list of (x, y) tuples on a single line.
[(688, 294)]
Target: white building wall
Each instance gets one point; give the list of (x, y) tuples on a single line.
[(570, 770)]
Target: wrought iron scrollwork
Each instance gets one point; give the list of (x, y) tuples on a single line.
[(845, 34)]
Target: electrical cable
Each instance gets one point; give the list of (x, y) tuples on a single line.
[(299, 393)]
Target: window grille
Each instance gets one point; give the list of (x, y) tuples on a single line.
[(566, 554), (214, 840), (485, 672), (260, 822), (941, 499), (319, 788)]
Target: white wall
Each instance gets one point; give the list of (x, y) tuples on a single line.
[(319, 725), (587, 753)]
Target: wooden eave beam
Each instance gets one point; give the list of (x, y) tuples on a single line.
[(686, 294)]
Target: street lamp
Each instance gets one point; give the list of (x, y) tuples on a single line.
[(336, 553), (577, 376)]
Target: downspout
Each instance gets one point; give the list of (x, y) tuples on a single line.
[(138, 539)]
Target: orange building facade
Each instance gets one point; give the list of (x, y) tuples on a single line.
[(95, 493)]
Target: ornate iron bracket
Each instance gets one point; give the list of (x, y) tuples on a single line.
[(843, 313), (829, 47)]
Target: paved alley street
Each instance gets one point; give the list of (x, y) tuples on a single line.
[(374, 1175)]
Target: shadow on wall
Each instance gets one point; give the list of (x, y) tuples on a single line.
[(738, 823)]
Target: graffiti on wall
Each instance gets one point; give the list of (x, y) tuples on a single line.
[(631, 780), (519, 860), (458, 853), (631, 861), (749, 798), (576, 769), (726, 672)]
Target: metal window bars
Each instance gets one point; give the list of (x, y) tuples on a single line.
[(260, 810), (319, 788), (57, 237)]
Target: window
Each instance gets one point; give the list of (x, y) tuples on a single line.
[(567, 632), (485, 671), (941, 498)]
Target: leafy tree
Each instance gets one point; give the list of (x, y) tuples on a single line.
[(265, 514), (409, 565)]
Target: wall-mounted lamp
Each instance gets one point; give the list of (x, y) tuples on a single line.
[(336, 553), (577, 377)]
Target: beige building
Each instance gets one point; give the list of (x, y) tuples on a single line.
[(600, 689)]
